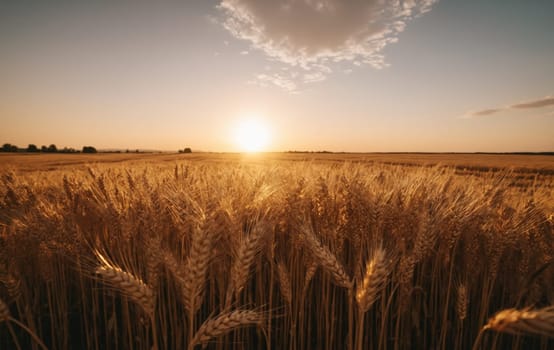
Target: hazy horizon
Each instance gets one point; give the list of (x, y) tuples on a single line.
[(236, 75)]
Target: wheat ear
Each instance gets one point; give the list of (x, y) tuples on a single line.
[(13, 285), (375, 278), (196, 269), (284, 282), (425, 239), (127, 284), (247, 252), (462, 302), (154, 257), (310, 273), (525, 321), (327, 259), (223, 324), (4, 312)]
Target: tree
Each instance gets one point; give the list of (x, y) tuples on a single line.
[(43, 148), (32, 148), (187, 150), (52, 149), (89, 149), (8, 147)]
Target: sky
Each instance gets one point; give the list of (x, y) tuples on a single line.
[(336, 75)]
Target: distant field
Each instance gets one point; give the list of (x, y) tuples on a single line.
[(527, 163)]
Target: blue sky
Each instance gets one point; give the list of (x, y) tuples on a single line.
[(336, 75)]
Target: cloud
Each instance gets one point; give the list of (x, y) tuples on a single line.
[(486, 112), (312, 35), (538, 103), (277, 79), (543, 102)]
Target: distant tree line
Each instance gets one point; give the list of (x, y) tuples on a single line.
[(89, 149), (312, 152), (31, 148)]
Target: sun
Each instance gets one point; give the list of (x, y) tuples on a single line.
[(252, 135)]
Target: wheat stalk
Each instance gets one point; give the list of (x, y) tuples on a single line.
[(5, 316), (525, 321), (223, 324)]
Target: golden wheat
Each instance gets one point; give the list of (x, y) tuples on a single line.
[(327, 259), (248, 249), (374, 279), (525, 321), (129, 286), (284, 282), (196, 268), (223, 324), (237, 235), (4, 311), (462, 301)]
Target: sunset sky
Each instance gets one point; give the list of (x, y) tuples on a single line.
[(359, 75)]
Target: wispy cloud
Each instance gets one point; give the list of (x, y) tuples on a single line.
[(312, 35), (538, 103), (542, 102), (486, 112)]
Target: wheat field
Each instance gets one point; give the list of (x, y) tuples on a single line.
[(278, 254)]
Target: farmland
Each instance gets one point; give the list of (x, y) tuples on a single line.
[(276, 251)]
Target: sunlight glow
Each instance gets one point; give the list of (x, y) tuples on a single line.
[(252, 135)]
